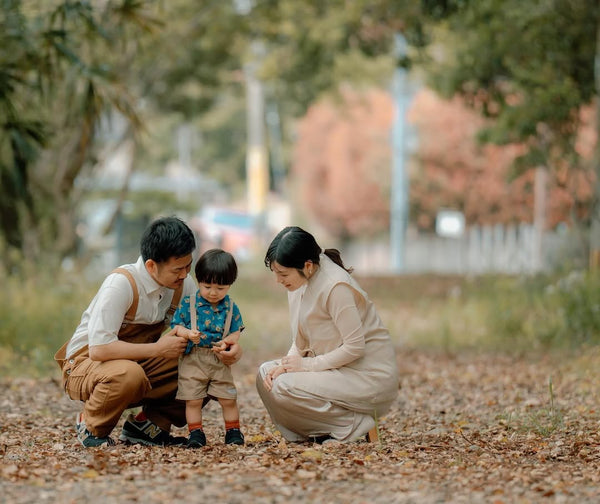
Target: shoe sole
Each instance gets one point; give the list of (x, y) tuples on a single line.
[(131, 439)]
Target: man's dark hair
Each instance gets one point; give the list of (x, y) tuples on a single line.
[(216, 266), (165, 238)]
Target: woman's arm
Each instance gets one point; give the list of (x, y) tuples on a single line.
[(344, 313)]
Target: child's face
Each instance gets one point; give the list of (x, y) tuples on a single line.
[(213, 292)]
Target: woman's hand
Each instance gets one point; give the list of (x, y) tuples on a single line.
[(288, 364), (273, 373), (292, 363)]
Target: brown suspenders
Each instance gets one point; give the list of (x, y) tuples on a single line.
[(59, 357), (130, 315), (193, 316)]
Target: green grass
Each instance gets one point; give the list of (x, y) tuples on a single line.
[(493, 313)]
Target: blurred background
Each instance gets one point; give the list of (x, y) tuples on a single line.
[(435, 143)]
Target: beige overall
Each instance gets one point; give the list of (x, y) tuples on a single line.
[(110, 387)]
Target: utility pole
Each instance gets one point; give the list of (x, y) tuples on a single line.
[(399, 193), (257, 165), (539, 216), (257, 169)]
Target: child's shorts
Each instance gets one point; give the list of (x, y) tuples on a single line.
[(202, 374)]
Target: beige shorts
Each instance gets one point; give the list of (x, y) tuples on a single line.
[(202, 374)]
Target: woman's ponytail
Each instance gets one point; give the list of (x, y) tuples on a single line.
[(336, 257)]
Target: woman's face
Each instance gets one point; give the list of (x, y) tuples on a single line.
[(290, 278)]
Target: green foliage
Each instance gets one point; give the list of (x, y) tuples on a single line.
[(528, 66), (36, 317), (60, 69), (485, 313), (520, 314), (543, 421)]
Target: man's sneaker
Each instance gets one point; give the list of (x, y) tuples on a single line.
[(197, 439), (147, 433), (86, 438), (234, 436)]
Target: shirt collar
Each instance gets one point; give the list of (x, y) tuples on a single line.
[(221, 305), (148, 284)]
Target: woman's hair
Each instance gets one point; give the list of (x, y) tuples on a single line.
[(293, 246), (165, 238), (216, 266)]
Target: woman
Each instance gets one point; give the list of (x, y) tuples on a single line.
[(340, 373)]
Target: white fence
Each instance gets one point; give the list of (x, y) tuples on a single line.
[(497, 249)]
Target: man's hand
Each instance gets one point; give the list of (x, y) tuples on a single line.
[(188, 334), (228, 350), (170, 346)]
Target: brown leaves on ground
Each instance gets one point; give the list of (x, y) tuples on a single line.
[(465, 428)]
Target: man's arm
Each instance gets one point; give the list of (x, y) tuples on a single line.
[(168, 346)]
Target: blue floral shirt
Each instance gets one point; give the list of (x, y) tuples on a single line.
[(211, 321)]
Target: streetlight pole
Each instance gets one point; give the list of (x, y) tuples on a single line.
[(399, 192)]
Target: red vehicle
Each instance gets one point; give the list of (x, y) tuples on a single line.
[(232, 230)]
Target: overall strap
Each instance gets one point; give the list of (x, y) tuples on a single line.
[(174, 304), (130, 315), (228, 320), (194, 321)]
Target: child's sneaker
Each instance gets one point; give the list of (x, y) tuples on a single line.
[(234, 436), (86, 438), (197, 439), (147, 433)]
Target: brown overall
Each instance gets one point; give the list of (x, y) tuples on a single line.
[(110, 387)]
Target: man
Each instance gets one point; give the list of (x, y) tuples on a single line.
[(117, 358)]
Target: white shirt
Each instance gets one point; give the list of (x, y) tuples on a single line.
[(101, 321)]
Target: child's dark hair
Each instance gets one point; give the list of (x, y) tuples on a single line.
[(293, 246), (165, 238), (216, 266)]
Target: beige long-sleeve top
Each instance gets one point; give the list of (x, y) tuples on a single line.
[(336, 326)]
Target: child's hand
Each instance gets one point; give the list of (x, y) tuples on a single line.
[(194, 336), (188, 334), (219, 346)]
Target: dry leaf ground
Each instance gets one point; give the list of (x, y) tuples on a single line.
[(465, 428)]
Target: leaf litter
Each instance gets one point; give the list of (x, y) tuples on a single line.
[(466, 428)]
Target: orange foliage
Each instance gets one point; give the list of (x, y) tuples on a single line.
[(453, 171), (342, 162)]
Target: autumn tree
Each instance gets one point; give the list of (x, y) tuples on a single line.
[(451, 169), (58, 75), (342, 163), (530, 67)]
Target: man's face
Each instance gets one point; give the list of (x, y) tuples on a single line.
[(170, 273)]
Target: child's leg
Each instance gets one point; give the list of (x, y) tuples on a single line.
[(193, 414), (231, 413)]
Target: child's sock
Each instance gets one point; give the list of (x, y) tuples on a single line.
[(234, 424), (141, 416), (195, 426)]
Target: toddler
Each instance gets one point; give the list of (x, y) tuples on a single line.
[(213, 323)]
